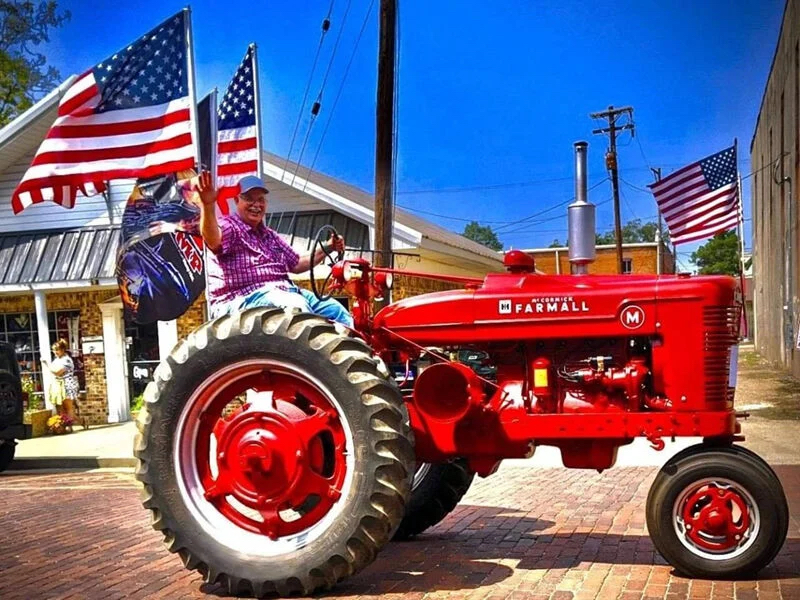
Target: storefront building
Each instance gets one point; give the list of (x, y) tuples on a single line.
[(57, 267)]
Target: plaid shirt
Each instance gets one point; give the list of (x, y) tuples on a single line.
[(249, 258)]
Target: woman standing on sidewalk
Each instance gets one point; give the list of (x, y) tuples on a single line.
[(64, 390)]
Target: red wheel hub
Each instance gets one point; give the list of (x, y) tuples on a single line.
[(279, 458), (715, 518)]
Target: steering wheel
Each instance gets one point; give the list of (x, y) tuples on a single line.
[(336, 256)]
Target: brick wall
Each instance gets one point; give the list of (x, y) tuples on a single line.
[(406, 286), (192, 318), (643, 260)]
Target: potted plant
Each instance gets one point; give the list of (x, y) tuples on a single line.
[(59, 424), (35, 414)]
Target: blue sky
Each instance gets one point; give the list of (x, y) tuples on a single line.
[(491, 94)]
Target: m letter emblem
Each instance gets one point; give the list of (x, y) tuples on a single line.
[(632, 317)]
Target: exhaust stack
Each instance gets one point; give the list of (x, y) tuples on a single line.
[(581, 217)]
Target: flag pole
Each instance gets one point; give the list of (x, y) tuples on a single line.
[(740, 231), (212, 169), (740, 226), (257, 101), (190, 77)]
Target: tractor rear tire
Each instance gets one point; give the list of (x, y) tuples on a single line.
[(717, 512), (259, 550), (435, 492), (7, 449)]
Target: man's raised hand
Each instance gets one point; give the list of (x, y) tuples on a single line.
[(205, 189)]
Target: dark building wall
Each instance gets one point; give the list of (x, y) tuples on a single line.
[(775, 155)]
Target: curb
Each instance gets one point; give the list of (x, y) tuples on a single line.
[(70, 462)]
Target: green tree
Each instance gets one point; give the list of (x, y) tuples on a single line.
[(556, 244), (633, 232), (24, 73), (483, 234), (719, 255)]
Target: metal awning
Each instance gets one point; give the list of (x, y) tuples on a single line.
[(71, 257)]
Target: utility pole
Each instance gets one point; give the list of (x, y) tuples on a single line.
[(657, 175), (612, 114), (384, 138)]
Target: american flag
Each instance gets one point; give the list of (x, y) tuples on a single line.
[(701, 199), (237, 135), (126, 117)]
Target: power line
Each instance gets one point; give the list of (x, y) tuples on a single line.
[(315, 108), (637, 188), (525, 227), (628, 204), (547, 210), (341, 87), (490, 186), (326, 24)]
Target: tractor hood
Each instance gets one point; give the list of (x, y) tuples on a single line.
[(508, 307)]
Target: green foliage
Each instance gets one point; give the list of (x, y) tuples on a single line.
[(137, 403), (24, 73), (483, 234), (633, 232), (556, 244), (719, 255)]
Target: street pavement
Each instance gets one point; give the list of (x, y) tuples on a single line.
[(532, 531), (524, 533)]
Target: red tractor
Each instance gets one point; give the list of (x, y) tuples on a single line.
[(279, 453)]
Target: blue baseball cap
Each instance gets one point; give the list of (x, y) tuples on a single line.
[(251, 182)]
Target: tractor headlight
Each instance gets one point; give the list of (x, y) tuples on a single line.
[(384, 280)]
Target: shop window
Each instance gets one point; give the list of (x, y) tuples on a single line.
[(19, 329), (627, 266)]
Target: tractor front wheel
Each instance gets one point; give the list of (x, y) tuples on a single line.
[(717, 512), (274, 453)]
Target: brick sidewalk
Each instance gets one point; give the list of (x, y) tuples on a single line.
[(521, 534)]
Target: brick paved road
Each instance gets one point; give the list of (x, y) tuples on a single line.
[(521, 534)]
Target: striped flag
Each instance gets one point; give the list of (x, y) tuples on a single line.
[(126, 117), (237, 130), (701, 199)]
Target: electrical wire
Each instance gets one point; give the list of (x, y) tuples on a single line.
[(527, 225), (341, 87), (627, 204), (547, 210), (315, 108), (325, 26)]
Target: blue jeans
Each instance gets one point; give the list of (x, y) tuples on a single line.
[(293, 297)]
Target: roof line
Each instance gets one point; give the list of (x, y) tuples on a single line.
[(16, 126), (600, 247), (412, 233)]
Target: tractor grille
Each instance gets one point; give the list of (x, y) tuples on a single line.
[(721, 331)]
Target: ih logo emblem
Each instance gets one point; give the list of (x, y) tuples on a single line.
[(505, 307), (632, 317)]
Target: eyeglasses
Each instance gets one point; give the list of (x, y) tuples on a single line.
[(251, 201)]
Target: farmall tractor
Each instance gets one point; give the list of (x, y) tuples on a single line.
[(279, 454)]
